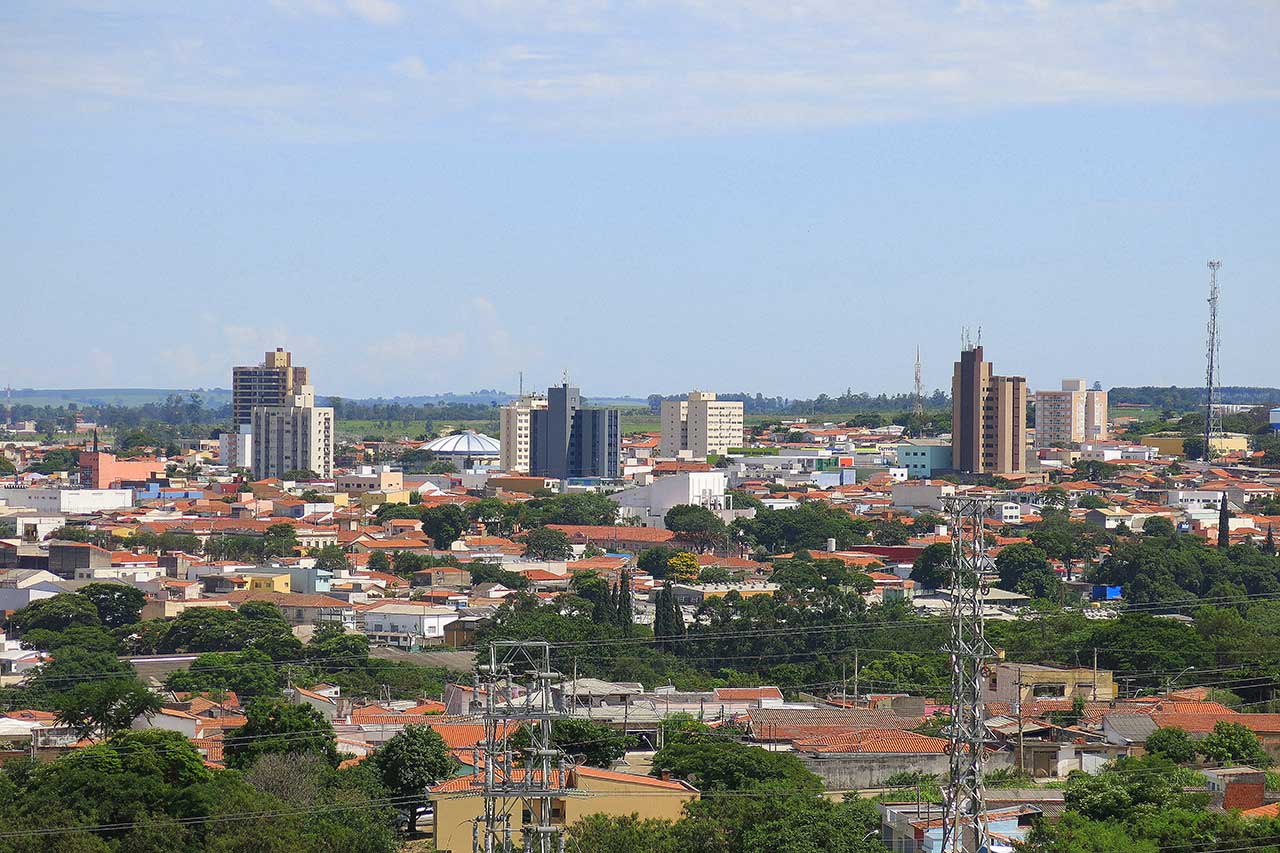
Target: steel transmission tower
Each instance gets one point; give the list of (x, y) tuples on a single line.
[(964, 802), (917, 406), (1213, 355), (516, 684)]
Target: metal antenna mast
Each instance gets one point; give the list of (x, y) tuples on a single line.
[(963, 829), (1213, 355), (917, 406), (516, 684)]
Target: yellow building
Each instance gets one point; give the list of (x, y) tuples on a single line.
[(270, 583), (1172, 445), (372, 499), (457, 805)]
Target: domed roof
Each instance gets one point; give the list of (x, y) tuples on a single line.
[(469, 443)]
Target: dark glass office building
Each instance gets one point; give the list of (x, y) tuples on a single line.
[(566, 440)]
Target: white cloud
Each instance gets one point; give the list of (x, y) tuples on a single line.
[(412, 67), (376, 11), (671, 66)]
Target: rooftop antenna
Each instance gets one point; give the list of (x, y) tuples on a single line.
[(522, 383), (979, 335), (1213, 355)]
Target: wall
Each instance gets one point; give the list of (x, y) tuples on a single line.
[(869, 770)]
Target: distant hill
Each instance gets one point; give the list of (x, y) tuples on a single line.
[(213, 397), (1182, 399)]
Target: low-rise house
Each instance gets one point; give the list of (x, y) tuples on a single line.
[(406, 624), (456, 804)]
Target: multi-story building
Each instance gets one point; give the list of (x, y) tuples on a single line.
[(297, 436), (566, 440), (700, 426), (514, 436), (988, 418), (271, 383), (1070, 416), (235, 449)]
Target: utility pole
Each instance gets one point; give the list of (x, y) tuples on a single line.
[(1213, 355), (963, 827), (1022, 763), (1094, 697), (855, 679)]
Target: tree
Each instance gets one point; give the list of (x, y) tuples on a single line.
[(1224, 522), (1015, 561), (1172, 743), (1269, 544), (248, 673), (279, 540), (105, 707), (379, 562), (653, 561), (1193, 447), (696, 523), (332, 558), (118, 605), (932, 569), (1158, 526), (410, 763), (714, 764), (56, 613), (715, 574), (276, 726), (1092, 502), (595, 744), (667, 619), (444, 524), (1233, 743), (544, 543), (682, 568), (626, 612), (891, 532)]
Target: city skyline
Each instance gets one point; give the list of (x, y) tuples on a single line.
[(204, 187)]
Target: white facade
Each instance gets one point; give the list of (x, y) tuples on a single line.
[(235, 449), (1193, 499), (294, 437), (699, 426), (513, 424), (68, 501), (695, 488), (403, 623), (1071, 415), (371, 478)]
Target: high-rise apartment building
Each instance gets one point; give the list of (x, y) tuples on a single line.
[(297, 436), (566, 440), (514, 426), (271, 383), (988, 418), (1070, 416), (699, 426)]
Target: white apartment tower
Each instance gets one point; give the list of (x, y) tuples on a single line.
[(1070, 416), (297, 436), (699, 426), (513, 432)]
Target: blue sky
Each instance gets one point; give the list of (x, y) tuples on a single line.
[(654, 195)]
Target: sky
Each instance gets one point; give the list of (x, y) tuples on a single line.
[(650, 196)]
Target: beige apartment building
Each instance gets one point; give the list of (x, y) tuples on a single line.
[(297, 436), (513, 435), (271, 383), (699, 426), (1070, 416), (989, 418)]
